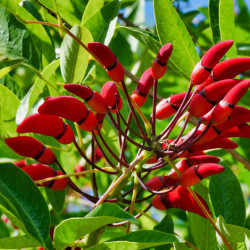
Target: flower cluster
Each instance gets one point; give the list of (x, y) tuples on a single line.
[(212, 97)]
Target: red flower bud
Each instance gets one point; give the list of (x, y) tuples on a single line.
[(225, 107), (205, 99), (92, 98), (179, 198), (204, 67), (111, 95), (70, 108), (145, 84), (50, 125), (169, 106), (30, 147), (216, 143), (229, 69), (108, 59), (159, 66), (41, 171), (242, 130), (195, 174)]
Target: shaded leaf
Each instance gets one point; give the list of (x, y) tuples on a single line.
[(9, 65), (39, 36), (92, 7), (56, 199), (214, 19), (227, 197)]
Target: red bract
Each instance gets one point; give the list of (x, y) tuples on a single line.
[(111, 95), (159, 66), (108, 59), (145, 84), (92, 98), (227, 69), (195, 174), (180, 198), (100, 119), (30, 147), (204, 100), (50, 125), (204, 67), (40, 171), (70, 108), (21, 163), (242, 130)]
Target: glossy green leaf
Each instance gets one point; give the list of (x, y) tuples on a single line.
[(8, 112), (34, 92), (28, 201), (214, 20), (73, 57), (243, 49), (99, 217), (138, 240), (171, 29), (39, 36), (112, 210), (56, 199), (235, 235), (18, 242), (227, 24), (9, 66), (102, 23), (92, 7), (227, 198)]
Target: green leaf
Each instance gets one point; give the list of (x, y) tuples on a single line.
[(214, 19), (167, 226), (56, 199), (28, 201), (235, 235), (39, 36), (247, 243), (227, 24), (138, 240), (243, 49), (92, 7), (102, 23), (11, 65), (34, 92), (112, 210), (19, 44), (171, 29), (227, 198), (73, 57), (18, 242), (8, 112)]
